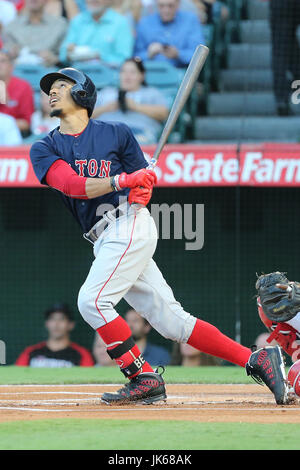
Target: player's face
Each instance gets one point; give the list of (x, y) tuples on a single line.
[(60, 99), (58, 326), (130, 77)]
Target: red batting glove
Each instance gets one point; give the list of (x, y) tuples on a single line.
[(140, 196), (144, 178)]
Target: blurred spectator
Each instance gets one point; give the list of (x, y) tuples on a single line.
[(19, 101), (100, 34), (284, 20), (41, 122), (8, 12), (170, 34), (140, 328), (185, 355), (9, 131), (212, 11), (35, 37), (150, 6), (208, 11), (65, 8), (132, 9), (100, 354), (58, 350), (141, 107)]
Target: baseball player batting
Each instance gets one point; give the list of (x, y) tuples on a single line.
[(102, 176)]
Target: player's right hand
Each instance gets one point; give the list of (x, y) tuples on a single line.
[(142, 178), (139, 196)]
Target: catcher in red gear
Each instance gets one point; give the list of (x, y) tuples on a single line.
[(278, 304)]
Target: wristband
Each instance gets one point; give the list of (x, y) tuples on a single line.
[(114, 182)]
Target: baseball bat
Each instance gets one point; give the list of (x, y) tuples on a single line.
[(192, 72)]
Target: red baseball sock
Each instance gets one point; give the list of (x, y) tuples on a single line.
[(208, 339), (116, 331)]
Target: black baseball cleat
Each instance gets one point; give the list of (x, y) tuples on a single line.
[(145, 388), (266, 366)]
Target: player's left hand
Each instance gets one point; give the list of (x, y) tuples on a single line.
[(144, 177), (140, 196)]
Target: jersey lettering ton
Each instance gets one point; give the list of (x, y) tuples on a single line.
[(103, 149)]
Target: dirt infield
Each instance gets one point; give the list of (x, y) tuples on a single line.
[(202, 403)]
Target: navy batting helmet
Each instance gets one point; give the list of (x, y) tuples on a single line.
[(83, 92)]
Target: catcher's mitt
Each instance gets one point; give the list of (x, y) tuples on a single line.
[(279, 304)]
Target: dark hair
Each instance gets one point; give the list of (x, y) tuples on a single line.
[(59, 307), (139, 65)]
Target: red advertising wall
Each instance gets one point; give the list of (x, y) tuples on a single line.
[(265, 164)]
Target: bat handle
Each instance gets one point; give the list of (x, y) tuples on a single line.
[(152, 164)]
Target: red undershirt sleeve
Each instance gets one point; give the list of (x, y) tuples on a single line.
[(62, 177)]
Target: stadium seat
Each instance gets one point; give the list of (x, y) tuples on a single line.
[(162, 74), (167, 78), (32, 73)]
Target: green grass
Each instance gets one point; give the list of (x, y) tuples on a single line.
[(81, 434), (13, 375)]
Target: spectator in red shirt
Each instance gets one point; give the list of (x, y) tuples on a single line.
[(58, 350), (19, 95)]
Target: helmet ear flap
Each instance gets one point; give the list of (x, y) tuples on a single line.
[(77, 92), (84, 94)]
